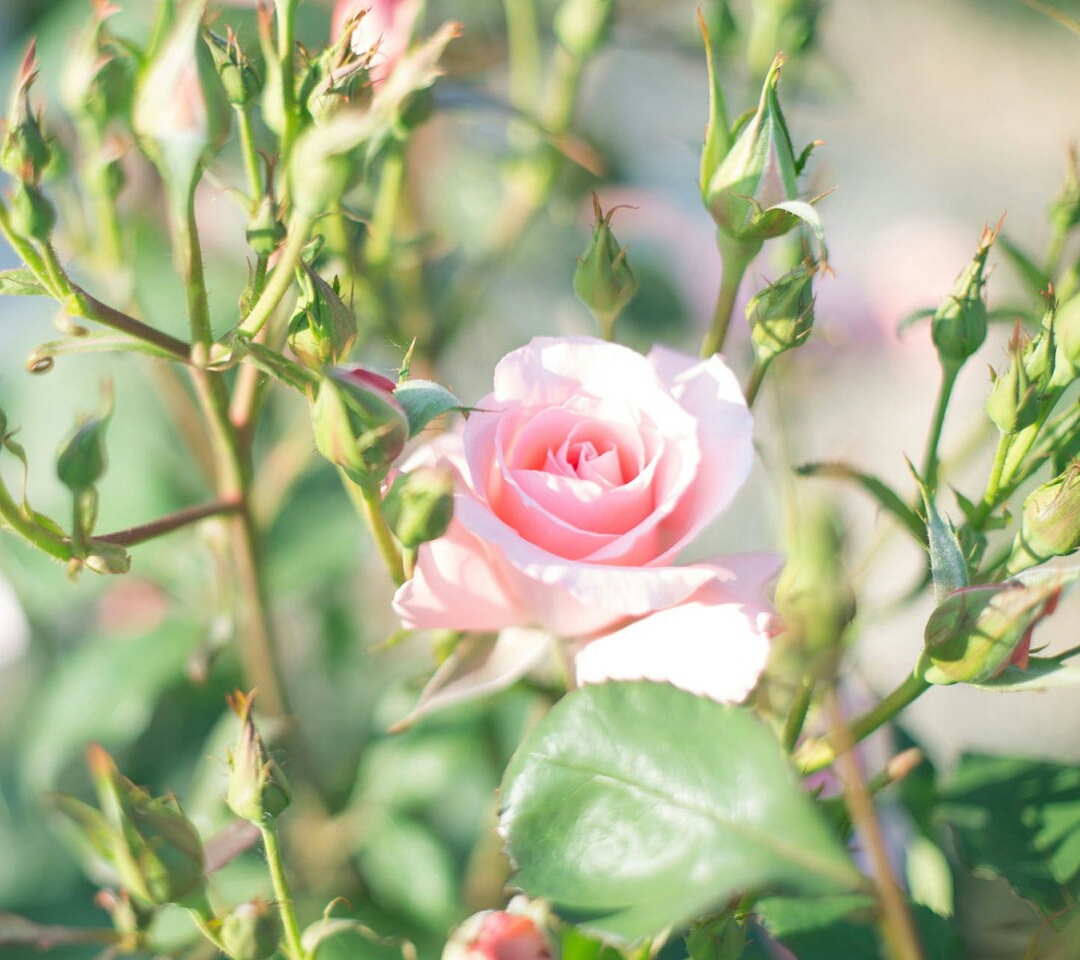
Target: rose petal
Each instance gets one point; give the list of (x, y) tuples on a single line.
[(713, 650)]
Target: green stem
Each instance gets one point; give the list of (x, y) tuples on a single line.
[(815, 755), (57, 547), (25, 249), (523, 50), (280, 279), (286, 31), (195, 277), (174, 521), (800, 706), (369, 504), (381, 231), (757, 377), (735, 257), (930, 460), (250, 154), (293, 946)]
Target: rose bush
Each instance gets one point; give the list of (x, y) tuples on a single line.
[(579, 479)]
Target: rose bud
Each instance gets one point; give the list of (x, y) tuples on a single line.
[(513, 934), (1040, 355), (257, 789), (323, 329), (420, 504), (381, 32), (959, 325), (99, 73), (1014, 402), (264, 230), (251, 931), (1065, 209), (180, 110), (24, 151), (603, 280), (1067, 341), (976, 632), (32, 214), (81, 460), (241, 83), (757, 173), (155, 848), (782, 315), (582, 25), (358, 423), (1050, 522)]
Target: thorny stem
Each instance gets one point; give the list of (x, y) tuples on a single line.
[(293, 946), (286, 31), (381, 232), (280, 280)]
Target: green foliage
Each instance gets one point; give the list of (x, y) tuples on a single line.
[(634, 807)]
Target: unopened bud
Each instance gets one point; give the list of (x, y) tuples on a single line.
[(1067, 340), (782, 315), (976, 632), (517, 933), (251, 931), (959, 325), (264, 230), (1065, 209), (239, 79), (32, 213), (358, 423), (603, 280), (1013, 403), (814, 596), (420, 504), (581, 25), (155, 848), (758, 172), (99, 72), (81, 460), (1050, 522), (24, 150), (323, 329), (257, 790)]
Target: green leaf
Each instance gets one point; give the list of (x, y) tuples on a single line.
[(1033, 277), (423, 401), (947, 564), (1020, 819), (20, 282), (887, 498), (1041, 673), (635, 807)]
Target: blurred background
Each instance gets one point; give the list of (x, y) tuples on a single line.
[(937, 116)]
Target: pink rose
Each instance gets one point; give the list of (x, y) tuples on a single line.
[(580, 478)]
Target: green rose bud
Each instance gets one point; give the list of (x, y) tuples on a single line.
[(581, 25), (358, 423), (251, 931), (99, 73), (155, 848), (976, 632), (32, 214), (959, 325), (239, 79), (1014, 402), (81, 460), (756, 174), (257, 790), (24, 150), (603, 280), (782, 315), (264, 230), (420, 504), (1064, 211), (1050, 522), (323, 329), (1067, 341)]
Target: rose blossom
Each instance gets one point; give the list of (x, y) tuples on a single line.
[(579, 479)]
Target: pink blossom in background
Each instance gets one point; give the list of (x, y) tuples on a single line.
[(580, 478), (386, 28)]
